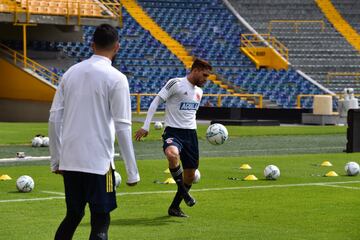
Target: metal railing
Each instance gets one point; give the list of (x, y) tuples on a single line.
[(300, 96), (219, 97), (252, 41), (19, 60), (296, 24), (331, 75)]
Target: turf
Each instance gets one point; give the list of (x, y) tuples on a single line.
[(22, 133), (226, 209), (301, 204)]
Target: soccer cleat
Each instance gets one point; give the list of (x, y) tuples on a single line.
[(189, 200), (176, 212)]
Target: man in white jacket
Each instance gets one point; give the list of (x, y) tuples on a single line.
[(91, 104)]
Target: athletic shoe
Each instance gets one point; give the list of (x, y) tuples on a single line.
[(189, 200), (176, 212)]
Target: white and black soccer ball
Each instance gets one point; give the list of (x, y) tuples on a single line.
[(217, 134), (271, 172), (25, 184), (352, 168), (117, 179), (45, 142), (37, 142), (197, 176), (158, 125)]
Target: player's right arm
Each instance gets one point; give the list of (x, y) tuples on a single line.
[(144, 130), (55, 126)]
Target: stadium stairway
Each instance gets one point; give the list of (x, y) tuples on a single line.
[(339, 23), (350, 10), (311, 50), (136, 11), (24, 94)]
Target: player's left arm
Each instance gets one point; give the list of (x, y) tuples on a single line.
[(120, 106)]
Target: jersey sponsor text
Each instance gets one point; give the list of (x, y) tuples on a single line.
[(189, 106)]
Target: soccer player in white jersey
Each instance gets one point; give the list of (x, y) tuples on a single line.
[(180, 143), (91, 105)]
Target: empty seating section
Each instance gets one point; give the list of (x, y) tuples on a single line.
[(206, 28), (147, 63), (311, 50), (281, 87), (209, 30), (7, 6), (89, 8)]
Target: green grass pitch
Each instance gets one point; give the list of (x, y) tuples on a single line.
[(301, 204)]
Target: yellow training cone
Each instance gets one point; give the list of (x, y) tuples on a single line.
[(5, 177), (169, 181), (245, 167), (250, 178), (331, 174), (167, 171), (326, 164)]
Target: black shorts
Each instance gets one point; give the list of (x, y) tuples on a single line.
[(97, 190), (187, 142)]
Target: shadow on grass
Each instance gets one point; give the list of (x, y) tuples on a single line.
[(157, 221)]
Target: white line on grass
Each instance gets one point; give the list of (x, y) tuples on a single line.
[(242, 187), (271, 149), (347, 187), (30, 199), (55, 193), (42, 158), (197, 190)]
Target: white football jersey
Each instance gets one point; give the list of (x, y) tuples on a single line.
[(92, 95), (182, 101)]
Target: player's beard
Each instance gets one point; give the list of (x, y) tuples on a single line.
[(200, 84)]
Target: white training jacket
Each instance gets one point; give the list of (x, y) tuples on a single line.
[(91, 104)]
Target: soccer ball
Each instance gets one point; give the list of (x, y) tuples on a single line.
[(352, 169), (216, 134), (271, 172), (197, 176), (25, 184), (45, 142), (158, 125), (37, 142), (117, 179)]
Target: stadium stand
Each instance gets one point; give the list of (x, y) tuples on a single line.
[(206, 29), (313, 49), (210, 31)]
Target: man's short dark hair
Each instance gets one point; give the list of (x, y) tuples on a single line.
[(201, 65), (105, 36)]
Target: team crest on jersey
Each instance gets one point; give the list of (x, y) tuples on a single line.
[(197, 97), (189, 106), (169, 140)]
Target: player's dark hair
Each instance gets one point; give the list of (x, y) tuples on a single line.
[(105, 36), (201, 65)]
